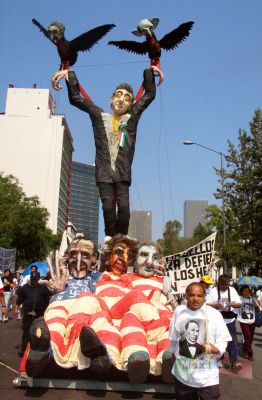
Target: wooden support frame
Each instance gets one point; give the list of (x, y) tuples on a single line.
[(25, 381)]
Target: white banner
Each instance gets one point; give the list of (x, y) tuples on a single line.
[(190, 265), (7, 259)]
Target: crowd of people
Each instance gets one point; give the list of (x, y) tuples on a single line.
[(9, 284), (89, 318)]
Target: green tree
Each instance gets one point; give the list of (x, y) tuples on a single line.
[(243, 197), (23, 223), (172, 242), (201, 232), (170, 237)]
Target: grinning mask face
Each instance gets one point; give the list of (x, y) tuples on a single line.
[(147, 260), (80, 257), (119, 258), (121, 101)]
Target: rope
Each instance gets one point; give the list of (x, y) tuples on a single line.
[(166, 148), (159, 176), (54, 130), (138, 195), (7, 366), (206, 326)]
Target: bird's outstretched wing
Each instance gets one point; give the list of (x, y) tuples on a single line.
[(131, 46), (88, 39), (42, 29), (175, 37)]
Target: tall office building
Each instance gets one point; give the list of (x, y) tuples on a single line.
[(36, 147), (194, 213), (84, 200), (140, 225)]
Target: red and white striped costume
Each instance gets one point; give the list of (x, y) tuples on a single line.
[(136, 305), (112, 288), (125, 319), (145, 321), (66, 318)]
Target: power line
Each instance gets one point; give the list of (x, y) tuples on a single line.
[(111, 64)]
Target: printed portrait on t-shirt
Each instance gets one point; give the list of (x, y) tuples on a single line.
[(247, 311), (192, 338)]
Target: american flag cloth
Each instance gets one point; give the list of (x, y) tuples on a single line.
[(66, 318), (74, 287)]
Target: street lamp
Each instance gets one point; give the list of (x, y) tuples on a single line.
[(189, 142)]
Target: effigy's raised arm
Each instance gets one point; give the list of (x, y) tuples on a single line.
[(59, 274)]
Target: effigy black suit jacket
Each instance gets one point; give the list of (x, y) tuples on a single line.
[(113, 163)]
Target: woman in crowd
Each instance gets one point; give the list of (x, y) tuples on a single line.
[(246, 318), (8, 288)]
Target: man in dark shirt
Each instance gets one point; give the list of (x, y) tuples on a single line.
[(35, 299), (115, 138)]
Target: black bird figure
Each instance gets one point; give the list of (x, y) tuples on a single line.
[(68, 50), (151, 45)]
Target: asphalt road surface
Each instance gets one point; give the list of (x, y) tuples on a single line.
[(245, 384)]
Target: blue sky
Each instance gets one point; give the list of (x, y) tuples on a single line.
[(212, 85)]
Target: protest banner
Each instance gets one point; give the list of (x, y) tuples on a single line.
[(190, 265), (7, 259)]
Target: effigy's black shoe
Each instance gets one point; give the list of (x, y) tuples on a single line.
[(37, 362), (39, 335), (100, 367), (91, 345), (138, 367), (168, 360)]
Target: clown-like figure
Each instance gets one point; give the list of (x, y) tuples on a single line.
[(145, 318), (125, 324), (137, 303), (115, 282), (72, 307), (74, 274), (77, 323)]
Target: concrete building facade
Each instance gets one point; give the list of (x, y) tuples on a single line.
[(84, 200), (194, 213), (140, 225), (36, 147)]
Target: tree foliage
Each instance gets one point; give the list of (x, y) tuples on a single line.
[(243, 198), (23, 223), (172, 242), (243, 206)]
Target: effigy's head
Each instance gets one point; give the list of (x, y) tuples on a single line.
[(122, 99), (122, 253), (80, 256), (148, 259)]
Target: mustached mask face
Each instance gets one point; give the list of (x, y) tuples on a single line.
[(147, 260), (80, 256), (119, 258)]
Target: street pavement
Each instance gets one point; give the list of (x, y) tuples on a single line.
[(244, 384)]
